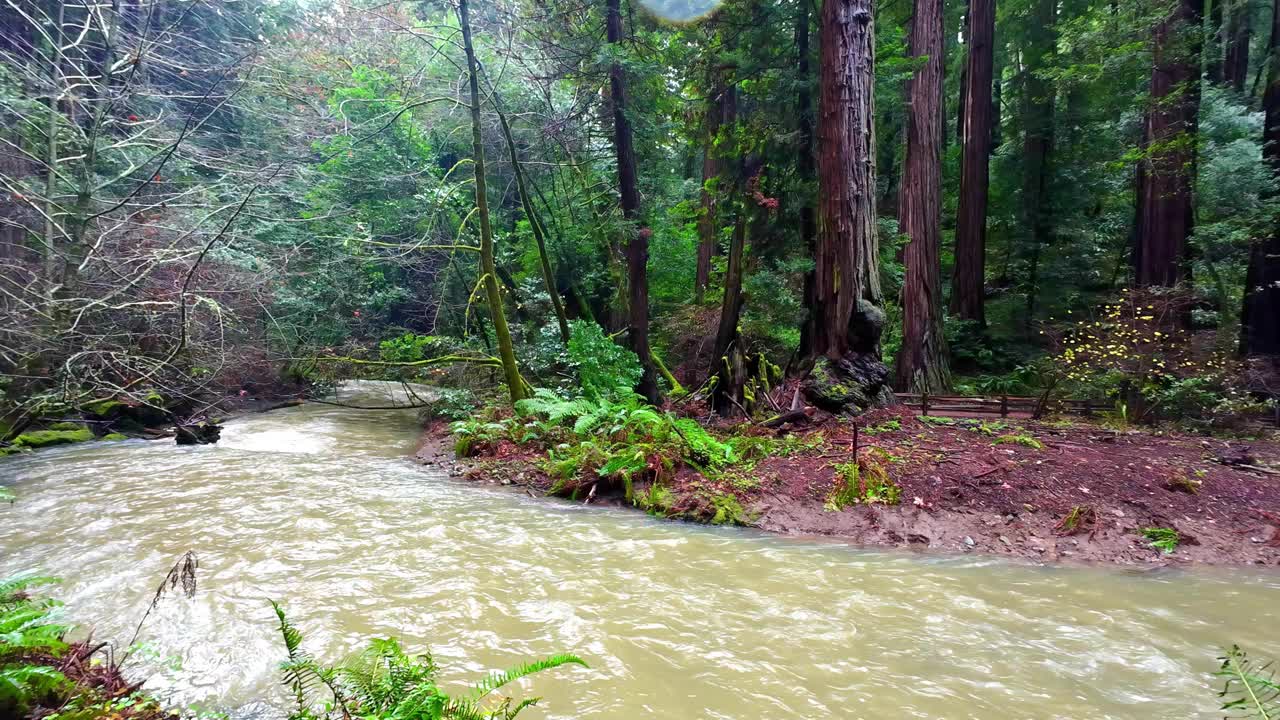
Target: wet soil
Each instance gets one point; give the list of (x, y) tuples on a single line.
[(1085, 494)]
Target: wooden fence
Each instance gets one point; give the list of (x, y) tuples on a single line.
[(1032, 407), (1003, 405)]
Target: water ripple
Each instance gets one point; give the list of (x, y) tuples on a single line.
[(315, 506)]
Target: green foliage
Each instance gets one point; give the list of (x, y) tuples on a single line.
[(385, 683), (1249, 690), (863, 481), (455, 404), (411, 347), (27, 628), (657, 499), (1019, 439), (26, 624), (21, 685), (892, 425), (727, 510), (1162, 538), (602, 365)]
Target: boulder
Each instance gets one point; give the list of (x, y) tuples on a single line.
[(201, 433)]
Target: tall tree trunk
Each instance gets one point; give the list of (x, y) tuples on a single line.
[(1260, 318), (1215, 33), (515, 384), (1169, 166), (535, 225), (638, 242), (846, 249), (968, 279), (922, 361), (708, 227), (804, 126), (1038, 110), (1235, 66), (997, 90)]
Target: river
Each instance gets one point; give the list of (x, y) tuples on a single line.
[(317, 506)]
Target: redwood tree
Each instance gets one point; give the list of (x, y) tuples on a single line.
[(1260, 319), (1037, 111), (721, 110), (1168, 174), (922, 361), (1235, 65), (968, 279), (638, 241), (845, 250)]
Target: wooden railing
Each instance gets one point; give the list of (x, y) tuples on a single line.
[(1002, 405)]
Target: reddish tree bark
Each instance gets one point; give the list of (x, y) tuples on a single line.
[(804, 126), (1260, 318), (1235, 64), (968, 279), (922, 361), (1168, 174), (638, 242), (846, 248)]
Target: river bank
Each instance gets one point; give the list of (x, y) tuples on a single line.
[(318, 506), (1052, 492)]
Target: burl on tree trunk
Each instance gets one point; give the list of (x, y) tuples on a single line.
[(856, 380)]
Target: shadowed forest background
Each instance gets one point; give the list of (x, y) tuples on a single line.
[(208, 199)]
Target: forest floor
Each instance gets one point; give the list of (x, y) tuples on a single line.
[(1048, 491)]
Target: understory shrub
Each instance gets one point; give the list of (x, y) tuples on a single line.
[(384, 683), (602, 365), (864, 481), (1136, 353)]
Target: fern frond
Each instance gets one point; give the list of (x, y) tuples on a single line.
[(590, 420), (20, 684), (1248, 691), (291, 635), (16, 587), (497, 680), (299, 673)]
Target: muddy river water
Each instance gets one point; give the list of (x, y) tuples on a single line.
[(318, 507)]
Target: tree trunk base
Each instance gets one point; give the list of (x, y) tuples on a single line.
[(850, 385)]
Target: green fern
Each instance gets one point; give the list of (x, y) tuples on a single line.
[(555, 408), (300, 672), (26, 629), (26, 624), (385, 683), (1248, 690), (21, 684), (497, 680)]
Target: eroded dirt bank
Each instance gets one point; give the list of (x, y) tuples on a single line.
[(1043, 491)]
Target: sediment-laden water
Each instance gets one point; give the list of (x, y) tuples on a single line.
[(318, 507)]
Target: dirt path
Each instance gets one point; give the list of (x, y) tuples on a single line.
[(1084, 494)]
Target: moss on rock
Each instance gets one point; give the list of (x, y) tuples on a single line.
[(114, 436), (105, 408), (45, 438)]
